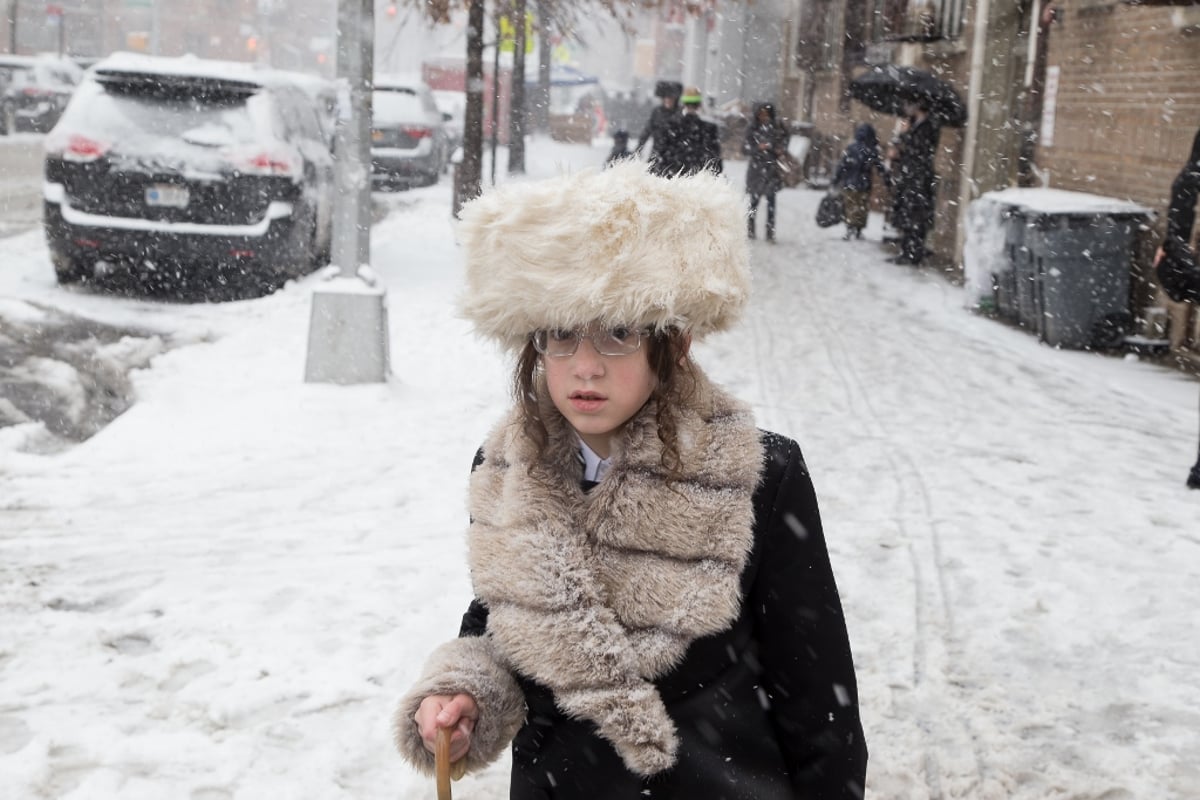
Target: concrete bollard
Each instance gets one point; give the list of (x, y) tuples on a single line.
[(348, 334)]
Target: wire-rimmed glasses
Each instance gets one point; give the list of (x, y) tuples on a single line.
[(619, 340)]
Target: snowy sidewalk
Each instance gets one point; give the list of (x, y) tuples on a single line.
[(222, 594)]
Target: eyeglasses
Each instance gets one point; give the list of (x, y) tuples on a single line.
[(620, 340)]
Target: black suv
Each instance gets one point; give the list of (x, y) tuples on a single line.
[(33, 91), (184, 168)]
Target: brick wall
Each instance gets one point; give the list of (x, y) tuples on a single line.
[(1127, 110)]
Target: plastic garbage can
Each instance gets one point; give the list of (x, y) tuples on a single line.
[(1073, 278)]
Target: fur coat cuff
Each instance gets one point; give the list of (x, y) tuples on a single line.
[(469, 665)]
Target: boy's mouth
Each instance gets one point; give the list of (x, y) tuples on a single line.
[(586, 401)]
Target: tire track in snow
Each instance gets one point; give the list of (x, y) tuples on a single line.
[(935, 641)]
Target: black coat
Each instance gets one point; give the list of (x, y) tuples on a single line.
[(692, 144), (1178, 272), (784, 666), (854, 169), (762, 174), (656, 128), (913, 179)]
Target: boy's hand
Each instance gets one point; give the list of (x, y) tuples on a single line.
[(443, 711)]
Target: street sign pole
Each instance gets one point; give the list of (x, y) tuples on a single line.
[(348, 331)]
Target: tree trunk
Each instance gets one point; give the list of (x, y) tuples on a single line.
[(516, 94), (541, 100), (469, 174)]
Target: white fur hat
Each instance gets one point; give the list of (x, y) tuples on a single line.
[(620, 246)]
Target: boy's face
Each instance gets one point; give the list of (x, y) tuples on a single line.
[(598, 394)]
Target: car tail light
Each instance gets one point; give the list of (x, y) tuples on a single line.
[(418, 133), (269, 164), (77, 148), (31, 91)]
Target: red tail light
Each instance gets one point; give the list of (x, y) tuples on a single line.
[(30, 91), (418, 133), (269, 164), (79, 149)]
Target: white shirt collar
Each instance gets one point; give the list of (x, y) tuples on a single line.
[(594, 467)]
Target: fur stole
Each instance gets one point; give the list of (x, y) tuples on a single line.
[(595, 595)]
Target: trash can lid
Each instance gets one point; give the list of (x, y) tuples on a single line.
[(1061, 201)]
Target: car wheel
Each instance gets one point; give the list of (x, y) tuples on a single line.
[(68, 270), (7, 123)]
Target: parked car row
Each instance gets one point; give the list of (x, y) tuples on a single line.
[(34, 90), (194, 168)]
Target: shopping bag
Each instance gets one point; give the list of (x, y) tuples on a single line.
[(791, 170), (830, 210)]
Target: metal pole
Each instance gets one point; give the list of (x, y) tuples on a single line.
[(351, 148), (13, 11), (348, 330)]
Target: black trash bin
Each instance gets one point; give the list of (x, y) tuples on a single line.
[(1069, 256), (1077, 269)]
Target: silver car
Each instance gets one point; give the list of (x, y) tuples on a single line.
[(410, 145)]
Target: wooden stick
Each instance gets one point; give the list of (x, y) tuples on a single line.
[(441, 755)]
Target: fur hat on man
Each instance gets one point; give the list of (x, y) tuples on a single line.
[(621, 246)]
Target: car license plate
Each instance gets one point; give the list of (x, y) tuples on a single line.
[(164, 194)]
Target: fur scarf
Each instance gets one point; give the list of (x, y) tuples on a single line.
[(596, 595)]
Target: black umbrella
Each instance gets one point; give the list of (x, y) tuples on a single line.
[(888, 87)]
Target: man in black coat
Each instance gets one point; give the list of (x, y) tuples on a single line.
[(660, 120), (692, 143), (914, 184), (1176, 261)]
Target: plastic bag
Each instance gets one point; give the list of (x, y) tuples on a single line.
[(791, 170), (830, 210)]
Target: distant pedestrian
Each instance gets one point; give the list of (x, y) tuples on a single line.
[(656, 126), (914, 183), (620, 149), (693, 143), (766, 140), (1175, 260), (854, 174)]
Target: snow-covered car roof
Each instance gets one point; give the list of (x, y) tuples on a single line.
[(189, 68)]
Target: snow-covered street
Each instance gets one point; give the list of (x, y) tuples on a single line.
[(222, 593)]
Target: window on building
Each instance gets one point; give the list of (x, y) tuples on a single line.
[(917, 20)]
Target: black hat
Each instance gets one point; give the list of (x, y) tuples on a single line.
[(668, 89)]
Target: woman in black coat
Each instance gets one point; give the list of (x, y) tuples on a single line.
[(765, 141), (656, 614), (1175, 260), (914, 185)]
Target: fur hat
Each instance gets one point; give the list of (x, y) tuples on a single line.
[(621, 246)]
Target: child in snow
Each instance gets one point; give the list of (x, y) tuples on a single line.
[(620, 149), (854, 174), (655, 613)]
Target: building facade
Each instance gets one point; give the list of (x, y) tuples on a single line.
[(1096, 96)]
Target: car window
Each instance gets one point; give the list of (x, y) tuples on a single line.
[(126, 112), (396, 105), (299, 114)]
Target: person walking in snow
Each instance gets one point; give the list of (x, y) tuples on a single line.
[(914, 184), (1175, 260), (854, 175), (693, 143), (765, 142), (620, 149), (656, 126), (655, 613)]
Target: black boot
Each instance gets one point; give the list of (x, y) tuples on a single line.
[(1193, 480)]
